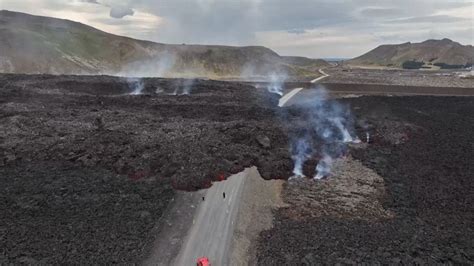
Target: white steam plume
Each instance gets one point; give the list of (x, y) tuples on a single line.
[(276, 83), (159, 65), (183, 87), (187, 86), (346, 136), (301, 152), (323, 168), (136, 84), (331, 127)]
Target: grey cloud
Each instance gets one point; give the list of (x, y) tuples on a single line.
[(236, 22), (297, 31), (382, 12), (90, 1), (118, 9), (121, 11), (429, 19)]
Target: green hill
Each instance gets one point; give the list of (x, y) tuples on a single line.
[(34, 44), (443, 53)]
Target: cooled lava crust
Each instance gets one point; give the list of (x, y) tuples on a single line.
[(422, 148), (87, 169)]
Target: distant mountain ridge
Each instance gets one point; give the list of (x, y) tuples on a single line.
[(444, 53), (35, 44)]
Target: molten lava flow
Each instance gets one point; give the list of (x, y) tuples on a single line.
[(221, 177), (137, 175)]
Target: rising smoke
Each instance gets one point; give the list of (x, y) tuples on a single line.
[(301, 150), (323, 168), (276, 83), (273, 77), (183, 87), (187, 86), (365, 126), (136, 85), (159, 65), (329, 127)]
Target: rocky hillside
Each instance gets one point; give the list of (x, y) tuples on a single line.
[(442, 53), (34, 44)]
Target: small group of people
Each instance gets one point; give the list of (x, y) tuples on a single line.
[(223, 196)]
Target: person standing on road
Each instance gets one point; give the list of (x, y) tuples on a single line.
[(223, 195)]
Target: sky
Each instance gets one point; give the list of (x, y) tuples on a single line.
[(312, 28)]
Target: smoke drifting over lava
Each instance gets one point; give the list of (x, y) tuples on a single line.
[(326, 128), (301, 151), (276, 83), (183, 86), (160, 65), (137, 85)]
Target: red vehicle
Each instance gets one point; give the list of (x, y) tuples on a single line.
[(203, 261)]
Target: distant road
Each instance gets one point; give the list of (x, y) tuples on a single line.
[(288, 96), (354, 90), (324, 75), (304, 92), (283, 100)]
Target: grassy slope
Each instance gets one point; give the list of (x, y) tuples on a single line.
[(37, 44), (32, 44), (434, 51)]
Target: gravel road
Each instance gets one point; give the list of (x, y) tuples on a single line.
[(339, 89), (223, 229), (201, 224), (211, 232)]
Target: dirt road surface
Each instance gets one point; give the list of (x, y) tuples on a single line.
[(173, 227), (354, 90), (223, 229), (211, 232), (208, 230), (283, 100), (288, 96), (324, 75)]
